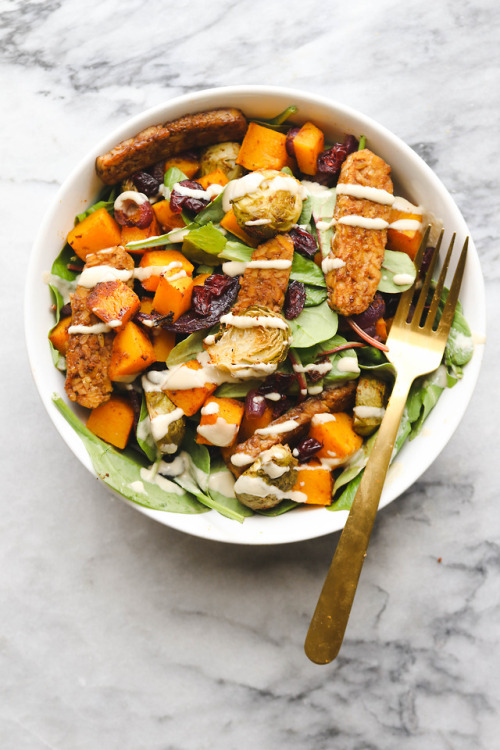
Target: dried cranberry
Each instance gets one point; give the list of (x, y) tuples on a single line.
[(280, 407), (315, 375), (158, 172), (426, 261), (191, 322), (306, 449), (368, 319), (290, 148), (134, 214), (218, 283), (136, 402), (278, 382), (303, 242), (179, 202), (255, 405), (294, 299), (146, 183), (65, 310), (201, 300), (331, 160)]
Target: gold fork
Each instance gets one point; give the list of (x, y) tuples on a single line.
[(416, 348)]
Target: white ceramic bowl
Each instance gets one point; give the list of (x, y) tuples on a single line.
[(413, 179)]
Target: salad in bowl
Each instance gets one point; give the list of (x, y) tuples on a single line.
[(221, 310)]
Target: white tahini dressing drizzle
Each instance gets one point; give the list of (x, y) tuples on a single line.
[(211, 408), (322, 367), (150, 475), (401, 279), (249, 485), (348, 364), (369, 412), (257, 222), (242, 459), (322, 418), (259, 321), (95, 328), (278, 429), (122, 203), (161, 422), (406, 225), (331, 264), (237, 268), (220, 433), (376, 195), (363, 222)]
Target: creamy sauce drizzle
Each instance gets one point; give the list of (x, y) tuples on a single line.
[(259, 321), (278, 429)]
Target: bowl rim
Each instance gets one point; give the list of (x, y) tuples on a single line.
[(225, 530)]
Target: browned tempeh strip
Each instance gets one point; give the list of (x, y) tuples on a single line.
[(352, 287), (266, 286), (162, 141), (330, 400), (89, 354)]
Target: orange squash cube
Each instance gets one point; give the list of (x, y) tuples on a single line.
[(167, 219), (191, 399), (263, 148), (405, 240), (187, 162), (132, 352), (316, 482), (59, 336), (308, 144), (135, 234), (163, 343), (113, 300), (336, 433), (220, 421), (96, 232), (248, 426), (229, 222), (173, 297), (112, 421), (164, 258), (217, 177), (200, 279), (146, 305)]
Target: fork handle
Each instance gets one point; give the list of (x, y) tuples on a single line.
[(328, 624)]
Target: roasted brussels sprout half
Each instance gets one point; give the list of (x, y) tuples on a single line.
[(168, 435), (274, 207), (268, 479), (251, 343), (369, 409), (222, 156)]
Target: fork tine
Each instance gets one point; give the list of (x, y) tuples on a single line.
[(438, 291), (407, 297), (422, 299), (452, 299)]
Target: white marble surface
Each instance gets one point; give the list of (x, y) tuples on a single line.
[(117, 632)]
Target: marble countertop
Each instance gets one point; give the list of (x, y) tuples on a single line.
[(117, 632)]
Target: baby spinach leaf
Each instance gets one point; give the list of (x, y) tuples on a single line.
[(315, 295), (236, 251), (212, 213), (236, 390), (186, 349), (313, 325), (307, 271), (122, 472), (60, 265), (172, 176), (306, 213), (323, 205), (171, 238), (108, 205), (143, 434), (395, 264), (278, 510), (276, 123)]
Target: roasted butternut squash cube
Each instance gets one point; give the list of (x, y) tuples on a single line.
[(229, 222), (217, 177), (163, 259), (191, 400), (308, 144), (248, 426), (220, 421), (112, 421), (163, 343), (263, 148), (336, 433), (59, 336), (401, 239), (167, 219), (132, 352), (173, 297), (113, 301), (96, 232), (187, 162), (315, 481), (200, 279), (135, 234)]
